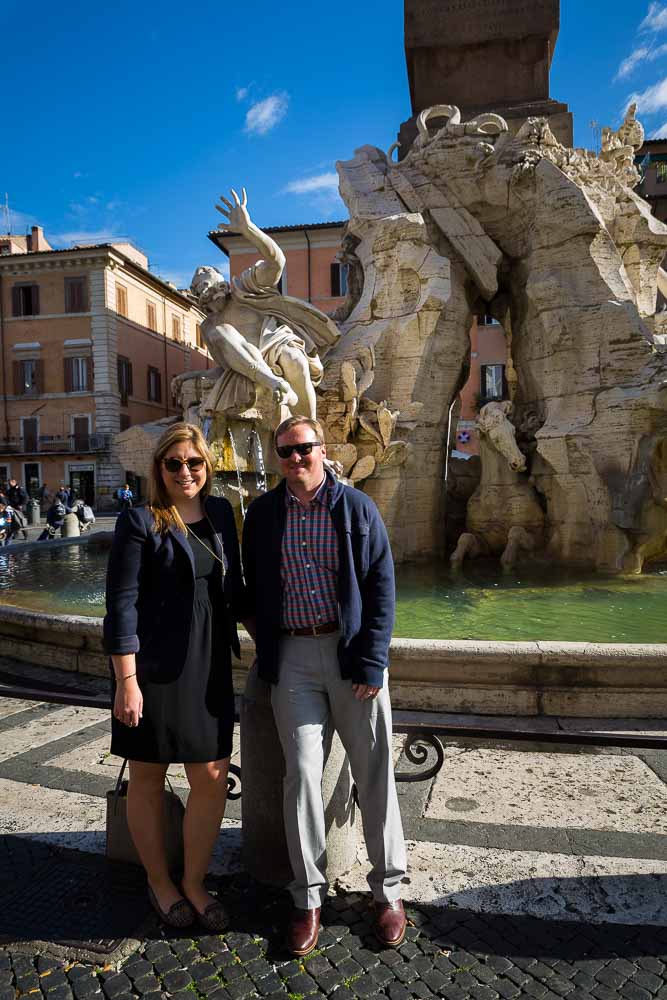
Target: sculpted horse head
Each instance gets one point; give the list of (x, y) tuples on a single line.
[(493, 422)]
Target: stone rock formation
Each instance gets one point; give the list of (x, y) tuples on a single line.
[(556, 241)]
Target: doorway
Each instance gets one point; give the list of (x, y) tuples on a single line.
[(32, 478), (82, 482)]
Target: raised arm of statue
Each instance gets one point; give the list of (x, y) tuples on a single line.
[(269, 270)]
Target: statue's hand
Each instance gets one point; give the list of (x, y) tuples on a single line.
[(284, 393), (237, 213)]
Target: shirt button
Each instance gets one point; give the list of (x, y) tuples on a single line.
[(312, 591), (303, 518), (304, 543), (307, 565)]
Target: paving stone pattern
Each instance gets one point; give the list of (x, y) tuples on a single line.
[(453, 954)]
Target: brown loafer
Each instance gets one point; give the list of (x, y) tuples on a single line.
[(303, 931), (181, 914), (390, 923)]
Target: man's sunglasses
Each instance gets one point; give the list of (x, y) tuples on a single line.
[(285, 450), (173, 465)]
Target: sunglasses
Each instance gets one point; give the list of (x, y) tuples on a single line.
[(285, 450), (173, 465)]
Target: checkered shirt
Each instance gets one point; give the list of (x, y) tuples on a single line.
[(309, 561)]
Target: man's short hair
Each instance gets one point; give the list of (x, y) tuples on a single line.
[(291, 422)]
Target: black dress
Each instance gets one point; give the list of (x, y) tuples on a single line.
[(189, 719)]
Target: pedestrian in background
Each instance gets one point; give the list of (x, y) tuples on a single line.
[(16, 495), (44, 497), (125, 497)]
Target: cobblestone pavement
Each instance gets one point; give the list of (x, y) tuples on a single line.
[(451, 954)]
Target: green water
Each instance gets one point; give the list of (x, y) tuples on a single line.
[(484, 603), (433, 603)]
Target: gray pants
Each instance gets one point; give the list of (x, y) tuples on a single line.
[(309, 698)]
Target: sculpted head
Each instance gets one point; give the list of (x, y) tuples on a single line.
[(493, 421), (210, 287)]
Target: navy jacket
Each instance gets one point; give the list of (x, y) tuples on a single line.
[(366, 592), (151, 589)]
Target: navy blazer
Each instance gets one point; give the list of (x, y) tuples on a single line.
[(366, 592), (151, 589)]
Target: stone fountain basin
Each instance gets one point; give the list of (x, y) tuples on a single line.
[(577, 679)]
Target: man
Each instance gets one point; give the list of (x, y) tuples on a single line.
[(125, 497), (16, 495), (320, 580), (44, 496), (256, 335), (63, 495)]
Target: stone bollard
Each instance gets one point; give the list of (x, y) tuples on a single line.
[(262, 768), (71, 527), (32, 512)]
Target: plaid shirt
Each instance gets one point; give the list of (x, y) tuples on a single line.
[(309, 561)]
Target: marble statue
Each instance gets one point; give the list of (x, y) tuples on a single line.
[(258, 337), (503, 516), (475, 219)]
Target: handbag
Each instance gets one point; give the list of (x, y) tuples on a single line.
[(119, 844)]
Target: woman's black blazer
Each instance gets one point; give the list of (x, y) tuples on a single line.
[(151, 589)]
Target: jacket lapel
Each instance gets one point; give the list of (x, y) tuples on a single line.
[(180, 538)]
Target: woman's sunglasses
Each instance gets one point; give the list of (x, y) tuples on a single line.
[(285, 450), (173, 465)]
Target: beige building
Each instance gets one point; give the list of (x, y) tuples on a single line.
[(89, 343)]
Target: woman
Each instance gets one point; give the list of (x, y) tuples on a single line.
[(174, 590)]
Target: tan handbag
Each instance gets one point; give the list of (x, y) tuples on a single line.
[(120, 846)]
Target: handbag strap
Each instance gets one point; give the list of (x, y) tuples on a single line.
[(119, 782)]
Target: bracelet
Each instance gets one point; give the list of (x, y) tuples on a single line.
[(126, 677)]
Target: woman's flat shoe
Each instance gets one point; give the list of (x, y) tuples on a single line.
[(181, 914), (214, 918)]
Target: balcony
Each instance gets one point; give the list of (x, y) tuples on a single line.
[(80, 444)]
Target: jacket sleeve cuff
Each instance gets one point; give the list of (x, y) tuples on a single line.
[(374, 676), (121, 646)]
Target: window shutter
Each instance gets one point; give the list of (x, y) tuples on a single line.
[(69, 375), (335, 280), (148, 383), (35, 303), (89, 374), (18, 378), (39, 376), (158, 387), (83, 294), (130, 388), (16, 301)]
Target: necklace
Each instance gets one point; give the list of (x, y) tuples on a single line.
[(209, 550)]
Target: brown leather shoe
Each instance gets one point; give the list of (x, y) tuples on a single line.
[(390, 923), (303, 931)]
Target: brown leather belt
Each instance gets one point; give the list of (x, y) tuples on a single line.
[(323, 629)]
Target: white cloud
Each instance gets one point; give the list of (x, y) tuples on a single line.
[(660, 133), (19, 222), (265, 115), (85, 236), (651, 100), (640, 55), (308, 185), (242, 93), (656, 19)]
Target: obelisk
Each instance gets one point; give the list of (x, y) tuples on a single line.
[(483, 55)]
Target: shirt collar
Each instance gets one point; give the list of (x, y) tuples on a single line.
[(323, 495)]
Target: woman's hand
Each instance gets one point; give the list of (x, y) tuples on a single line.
[(128, 705)]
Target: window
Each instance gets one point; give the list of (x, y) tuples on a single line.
[(492, 381), (486, 319), (29, 431), (121, 299), (198, 336), (25, 300), (76, 295), (125, 421), (78, 374), (338, 279), (176, 327), (282, 284), (660, 173), (27, 378), (124, 379), (151, 316), (154, 385), (81, 433), (32, 478)]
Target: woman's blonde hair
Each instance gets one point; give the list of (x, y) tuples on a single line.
[(164, 512)]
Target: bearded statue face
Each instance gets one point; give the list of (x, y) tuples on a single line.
[(210, 287)]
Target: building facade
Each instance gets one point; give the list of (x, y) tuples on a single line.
[(89, 343)]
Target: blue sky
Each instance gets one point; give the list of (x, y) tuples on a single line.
[(127, 120)]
